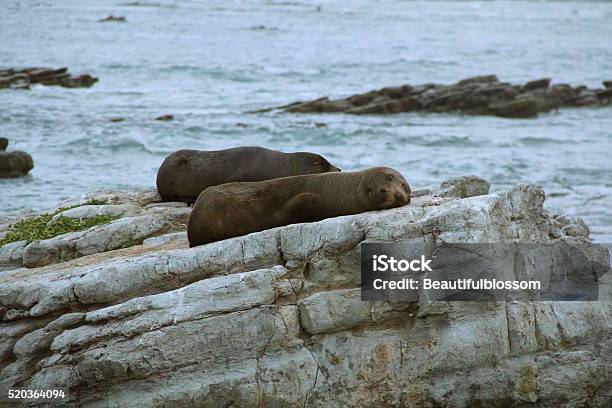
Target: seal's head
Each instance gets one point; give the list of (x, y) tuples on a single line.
[(386, 188), (316, 163)]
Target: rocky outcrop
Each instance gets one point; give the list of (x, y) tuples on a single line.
[(483, 95), (141, 216), (23, 78), (275, 319), (14, 164), (111, 18)]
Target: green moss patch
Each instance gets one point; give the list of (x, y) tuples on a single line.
[(130, 244), (91, 201), (35, 228)]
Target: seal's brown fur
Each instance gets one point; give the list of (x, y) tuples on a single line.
[(186, 173), (235, 209)]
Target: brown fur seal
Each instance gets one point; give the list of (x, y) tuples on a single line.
[(186, 173), (234, 209)]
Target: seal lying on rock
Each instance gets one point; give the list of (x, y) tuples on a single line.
[(235, 209), (186, 173)]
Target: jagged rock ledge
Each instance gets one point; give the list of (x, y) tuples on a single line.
[(14, 164), (482, 95), (141, 215), (275, 319), (23, 78)]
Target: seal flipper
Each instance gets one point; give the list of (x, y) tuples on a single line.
[(303, 208)]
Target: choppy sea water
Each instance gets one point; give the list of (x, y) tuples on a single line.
[(208, 62)]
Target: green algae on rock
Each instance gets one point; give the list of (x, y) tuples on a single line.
[(39, 227)]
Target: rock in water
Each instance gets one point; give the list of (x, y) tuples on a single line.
[(165, 117), (537, 84), (275, 318), (81, 81), (515, 109), (605, 94), (14, 164), (15, 79), (482, 95), (111, 18)]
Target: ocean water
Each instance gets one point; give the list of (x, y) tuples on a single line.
[(208, 62)]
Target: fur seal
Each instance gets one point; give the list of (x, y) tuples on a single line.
[(235, 209), (186, 173)]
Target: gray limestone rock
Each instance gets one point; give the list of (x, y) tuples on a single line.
[(117, 234), (275, 318)]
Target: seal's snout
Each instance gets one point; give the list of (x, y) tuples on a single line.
[(408, 192), (401, 198), (334, 168)]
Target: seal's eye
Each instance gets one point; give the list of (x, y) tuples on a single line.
[(383, 190)]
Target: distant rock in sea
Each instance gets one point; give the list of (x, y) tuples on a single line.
[(482, 95), (165, 117), (23, 78), (141, 4), (14, 164), (262, 28), (110, 17)]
